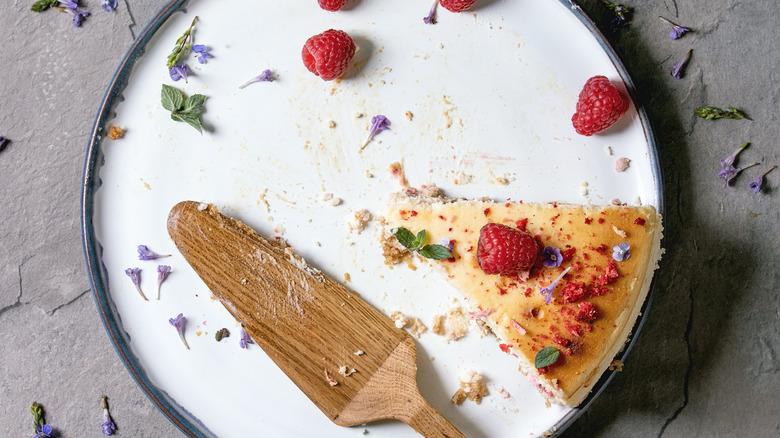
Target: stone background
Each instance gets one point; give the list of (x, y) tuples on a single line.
[(705, 365)]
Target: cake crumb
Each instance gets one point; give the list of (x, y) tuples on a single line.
[(409, 115), (359, 353), (392, 251), (608, 150), (346, 372), (418, 328), (397, 171), (328, 378), (501, 391), (616, 365), (368, 174), (618, 231), (452, 326), (359, 115), (115, 132), (621, 164), (358, 220), (471, 387), (400, 319), (330, 124)]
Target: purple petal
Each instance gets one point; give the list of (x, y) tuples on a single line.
[(551, 257), (431, 17), (178, 72)]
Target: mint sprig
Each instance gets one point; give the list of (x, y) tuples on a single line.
[(183, 45), (183, 109), (712, 113), (546, 357), (416, 243), (42, 5)]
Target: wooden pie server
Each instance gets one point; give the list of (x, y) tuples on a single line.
[(307, 323)]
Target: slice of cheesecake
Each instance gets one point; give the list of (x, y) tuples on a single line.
[(604, 264)]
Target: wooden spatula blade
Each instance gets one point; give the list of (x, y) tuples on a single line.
[(307, 323)]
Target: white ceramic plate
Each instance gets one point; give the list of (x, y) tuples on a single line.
[(490, 92)]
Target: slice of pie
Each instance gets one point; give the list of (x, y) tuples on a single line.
[(604, 263)]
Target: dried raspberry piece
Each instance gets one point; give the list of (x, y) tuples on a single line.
[(332, 5), (574, 291), (328, 54), (457, 5), (600, 105), (587, 312), (505, 250), (610, 274), (560, 340)]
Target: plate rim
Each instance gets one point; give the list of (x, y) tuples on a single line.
[(98, 277)]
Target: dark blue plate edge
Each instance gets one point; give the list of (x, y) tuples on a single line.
[(98, 276), (607, 377)]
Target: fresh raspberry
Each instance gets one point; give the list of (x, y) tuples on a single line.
[(505, 250), (600, 105), (328, 54), (332, 5), (457, 5)]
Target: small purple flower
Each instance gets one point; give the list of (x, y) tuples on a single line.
[(431, 17), (728, 171), (108, 5), (144, 253), (201, 53), (621, 252), (548, 291), (245, 339), (135, 276), (179, 322), (677, 31), (266, 76), (71, 7), (108, 427), (758, 182), (677, 69), (178, 72), (44, 431), (162, 274), (551, 257), (379, 123), (622, 15), (447, 243)]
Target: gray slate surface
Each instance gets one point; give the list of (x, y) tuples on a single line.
[(705, 365)]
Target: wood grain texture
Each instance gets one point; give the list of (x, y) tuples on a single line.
[(307, 323)]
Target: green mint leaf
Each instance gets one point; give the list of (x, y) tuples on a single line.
[(42, 5), (171, 98), (420, 239), (189, 119), (546, 357), (193, 104), (406, 238), (435, 252)]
